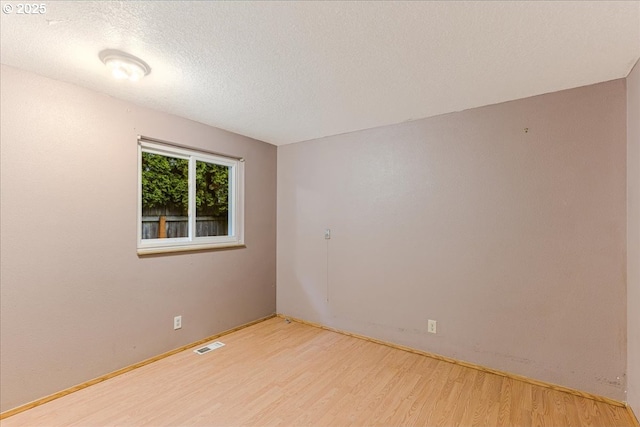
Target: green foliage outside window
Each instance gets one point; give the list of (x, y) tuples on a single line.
[(165, 184), (212, 189)]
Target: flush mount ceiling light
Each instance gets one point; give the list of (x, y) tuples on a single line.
[(124, 66)]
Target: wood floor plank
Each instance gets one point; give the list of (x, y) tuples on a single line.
[(505, 403), (474, 410), (457, 398), (277, 373), (413, 399), (429, 400), (392, 395)]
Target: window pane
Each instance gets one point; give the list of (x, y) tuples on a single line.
[(165, 196), (212, 199)]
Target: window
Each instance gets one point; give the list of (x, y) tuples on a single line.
[(187, 199)]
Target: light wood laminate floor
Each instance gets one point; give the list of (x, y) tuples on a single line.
[(290, 374)]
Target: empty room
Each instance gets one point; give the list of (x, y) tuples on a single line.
[(320, 213)]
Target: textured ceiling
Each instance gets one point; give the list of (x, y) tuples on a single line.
[(284, 72)]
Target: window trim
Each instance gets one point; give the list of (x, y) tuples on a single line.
[(235, 238)]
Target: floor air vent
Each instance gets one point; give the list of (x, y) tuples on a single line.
[(208, 348)]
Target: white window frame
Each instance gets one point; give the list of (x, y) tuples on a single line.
[(191, 242)]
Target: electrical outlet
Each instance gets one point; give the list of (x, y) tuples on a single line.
[(432, 325), (177, 322), (327, 233)]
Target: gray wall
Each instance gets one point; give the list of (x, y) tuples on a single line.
[(633, 238), (76, 301), (514, 242)]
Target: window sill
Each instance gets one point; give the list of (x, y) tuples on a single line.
[(189, 248)]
